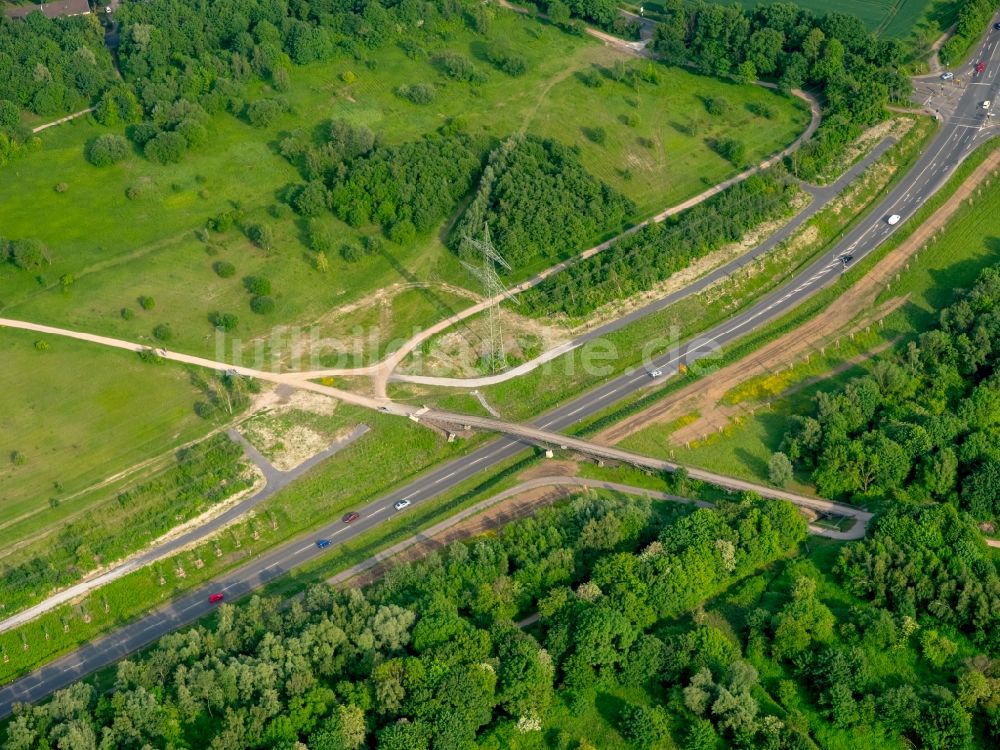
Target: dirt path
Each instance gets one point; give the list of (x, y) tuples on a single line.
[(850, 311), (934, 61)]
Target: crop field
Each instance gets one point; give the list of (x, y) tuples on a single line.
[(137, 229)]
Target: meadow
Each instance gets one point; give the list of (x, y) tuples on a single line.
[(112, 248), (74, 414)]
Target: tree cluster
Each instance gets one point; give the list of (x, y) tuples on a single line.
[(973, 17), (924, 423), (407, 188), (857, 71), (540, 203), (644, 258), (430, 657), (52, 67), (28, 253)]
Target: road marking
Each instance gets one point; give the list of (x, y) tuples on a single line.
[(73, 666), (379, 510), (300, 551)]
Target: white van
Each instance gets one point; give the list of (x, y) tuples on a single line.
[(894, 219)]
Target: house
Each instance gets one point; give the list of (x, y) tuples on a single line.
[(51, 10)]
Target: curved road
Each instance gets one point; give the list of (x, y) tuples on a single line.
[(961, 133)]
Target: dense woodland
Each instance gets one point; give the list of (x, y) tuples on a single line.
[(525, 173), (857, 72), (698, 628), (924, 423), (638, 262), (431, 656)]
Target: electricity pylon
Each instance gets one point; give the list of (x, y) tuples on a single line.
[(495, 293)]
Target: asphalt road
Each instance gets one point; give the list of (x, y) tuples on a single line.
[(955, 140)]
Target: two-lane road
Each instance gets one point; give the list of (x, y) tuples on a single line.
[(953, 143)]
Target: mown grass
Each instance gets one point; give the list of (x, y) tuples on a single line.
[(118, 249)]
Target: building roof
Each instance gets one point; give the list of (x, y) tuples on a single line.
[(51, 10)]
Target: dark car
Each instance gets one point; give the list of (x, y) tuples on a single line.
[(846, 258), (351, 517), (322, 543), (216, 597), (996, 26)]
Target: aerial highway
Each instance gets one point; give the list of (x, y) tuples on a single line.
[(964, 128)]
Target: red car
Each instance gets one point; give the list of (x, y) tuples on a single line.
[(216, 597), (351, 517), (980, 67)]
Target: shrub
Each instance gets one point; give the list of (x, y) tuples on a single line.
[(61, 187), (262, 304), (261, 235), (733, 150), (502, 56), (166, 148), (223, 269), (457, 66), (320, 237), (163, 332), (42, 345), (147, 303), (598, 135), (17, 458), (418, 93), (127, 313), (224, 221), (373, 245), (107, 149), (716, 105), (258, 285), (311, 199), (591, 79), (350, 253), (28, 254), (262, 112), (224, 321)]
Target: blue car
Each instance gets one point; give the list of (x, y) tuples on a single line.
[(322, 543)]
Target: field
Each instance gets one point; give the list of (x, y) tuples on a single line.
[(75, 415), (934, 278), (117, 248)]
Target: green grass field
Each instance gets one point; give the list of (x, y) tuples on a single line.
[(79, 414), (118, 249)]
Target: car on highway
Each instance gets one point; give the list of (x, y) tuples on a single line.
[(947, 76), (980, 67), (986, 104), (846, 258), (217, 597), (401, 504), (996, 26), (894, 219), (656, 373), (322, 543), (351, 517)]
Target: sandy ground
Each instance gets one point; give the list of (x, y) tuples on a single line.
[(839, 319)]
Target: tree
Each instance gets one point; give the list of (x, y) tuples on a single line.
[(262, 304), (10, 116), (261, 235), (29, 254), (558, 13), (166, 148), (641, 726), (779, 469), (107, 149), (701, 736), (311, 199), (263, 112), (224, 321)]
